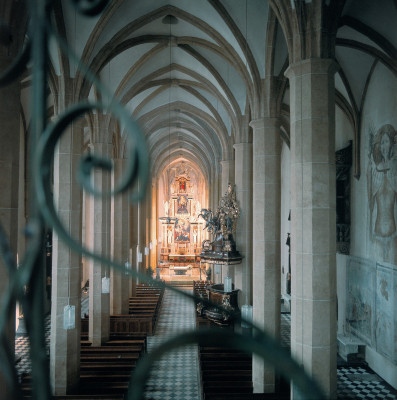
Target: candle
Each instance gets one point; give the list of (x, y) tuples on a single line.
[(127, 266), (246, 314), (105, 285), (69, 317), (227, 284)]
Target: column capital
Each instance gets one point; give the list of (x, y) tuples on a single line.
[(312, 66), (241, 146), (264, 122)]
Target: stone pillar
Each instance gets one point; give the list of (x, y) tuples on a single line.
[(243, 180), (313, 221), (134, 237), (141, 234), (266, 241), (85, 233), (227, 175), (119, 284), (66, 273), (148, 209), (9, 180), (153, 227), (226, 178), (100, 244)]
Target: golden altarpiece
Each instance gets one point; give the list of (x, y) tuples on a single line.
[(181, 230)]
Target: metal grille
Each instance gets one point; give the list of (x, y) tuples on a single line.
[(43, 214)]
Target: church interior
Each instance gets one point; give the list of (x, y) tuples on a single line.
[(240, 151)]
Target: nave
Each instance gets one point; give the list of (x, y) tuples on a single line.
[(175, 376)]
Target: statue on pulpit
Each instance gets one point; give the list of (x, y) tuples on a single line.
[(222, 225)]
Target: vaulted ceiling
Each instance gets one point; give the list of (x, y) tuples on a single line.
[(189, 71)]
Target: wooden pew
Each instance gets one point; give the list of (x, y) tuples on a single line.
[(107, 369), (226, 374), (143, 323)]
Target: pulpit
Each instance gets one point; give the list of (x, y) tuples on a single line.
[(224, 305)]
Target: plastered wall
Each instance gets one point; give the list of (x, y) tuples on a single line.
[(371, 272)]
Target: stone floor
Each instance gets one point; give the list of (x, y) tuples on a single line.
[(175, 377)]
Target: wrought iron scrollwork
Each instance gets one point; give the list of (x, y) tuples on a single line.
[(43, 213)]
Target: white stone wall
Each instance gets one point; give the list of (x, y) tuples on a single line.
[(379, 109), (343, 134), (343, 130), (368, 242)]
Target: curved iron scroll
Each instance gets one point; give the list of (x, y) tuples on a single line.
[(43, 212)]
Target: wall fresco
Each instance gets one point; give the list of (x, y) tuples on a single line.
[(371, 307), (360, 299), (382, 191), (385, 299)]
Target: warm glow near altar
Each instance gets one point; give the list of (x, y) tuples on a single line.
[(181, 195)]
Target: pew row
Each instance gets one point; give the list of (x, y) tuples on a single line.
[(225, 374)]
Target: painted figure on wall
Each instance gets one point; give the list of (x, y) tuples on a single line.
[(182, 205), (182, 230), (382, 187), (182, 186)]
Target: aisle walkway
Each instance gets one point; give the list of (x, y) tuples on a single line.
[(175, 376)]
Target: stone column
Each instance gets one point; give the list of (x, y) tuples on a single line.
[(153, 227), (9, 180), (243, 180), (227, 175), (226, 178), (134, 237), (141, 234), (66, 273), (313, 221), (148, 209), (100, 243), (119, 284), (266, 241)]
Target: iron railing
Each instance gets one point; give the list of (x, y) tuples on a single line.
[(43, 139)]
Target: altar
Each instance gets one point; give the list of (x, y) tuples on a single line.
[(169, 270), (182, 258), (182, 270)]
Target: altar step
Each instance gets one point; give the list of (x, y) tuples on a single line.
[(183, 284)]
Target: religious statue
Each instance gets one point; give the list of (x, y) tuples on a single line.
[(169, 234), (198, 208), (222, 226), (228, 211), (166, 208)]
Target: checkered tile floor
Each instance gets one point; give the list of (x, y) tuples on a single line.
[(354, 382), (175, 375), (362, 383), (22, 357)]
